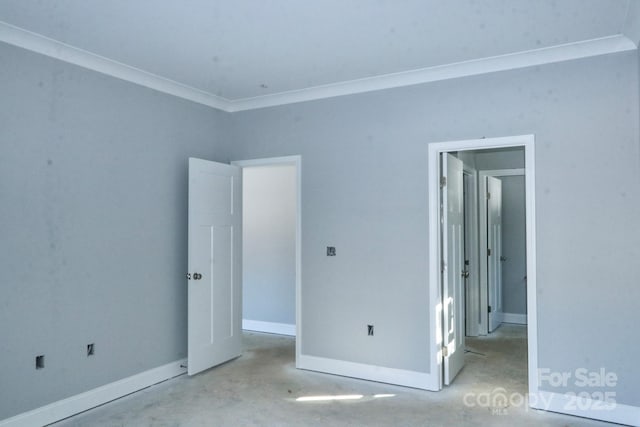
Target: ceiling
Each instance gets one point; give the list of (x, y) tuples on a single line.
[(233, 51)]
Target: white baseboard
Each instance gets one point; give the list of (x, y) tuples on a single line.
[(586, 408), (98, 396), (269, 327), (394, 376), (519, 319)]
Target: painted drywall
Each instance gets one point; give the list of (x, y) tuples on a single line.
[(86, 255), (514, 267), (364, 181), (468, 159), (505, 158), (93, 219), (268, 244)]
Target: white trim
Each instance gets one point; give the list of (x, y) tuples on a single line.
[(516, 318), (434, 306), (503, 172), (512, 61), (594, 409), (434, 150), (40, 44), (297, 162), (269, 327), (55, 49), (98, 396), (381, 374), (532, 272), (271, 161)]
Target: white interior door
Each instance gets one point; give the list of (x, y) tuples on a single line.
[(215, 264), (471, 256), (452, 267), (494, 251)]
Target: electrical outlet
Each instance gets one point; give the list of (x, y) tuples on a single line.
[(331, 251), (40, 362), (90, 349), (370, 330)]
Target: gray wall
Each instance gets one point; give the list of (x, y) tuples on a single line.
[(514, 268), (93, 178), (364, 181), (93, 216), (468, 159), (268, 244), (504, 158)]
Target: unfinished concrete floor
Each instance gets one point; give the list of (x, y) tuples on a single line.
[(261, 387)]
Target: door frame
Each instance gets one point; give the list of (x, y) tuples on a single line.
[(435, 295), (296, 162), (484, 286)]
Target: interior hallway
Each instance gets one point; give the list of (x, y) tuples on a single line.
[(261, 387)]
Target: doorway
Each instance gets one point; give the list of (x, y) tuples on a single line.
[(495, 283), (503, 275), (445, 307), (495, 342), (271, 245)]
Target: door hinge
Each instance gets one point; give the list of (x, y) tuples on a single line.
[(488, 195), (445, 351), (489, 309), (488, 252), (441, 266), (443, 181)]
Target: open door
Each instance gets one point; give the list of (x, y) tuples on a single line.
[(494, 251), (453, 268), (215, 264)]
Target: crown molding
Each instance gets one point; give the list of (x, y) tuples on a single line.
[(46, 46), (566, 52)]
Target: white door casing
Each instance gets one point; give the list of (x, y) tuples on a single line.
[(435, 149), (494, 251), (214, 264), (452, 267)]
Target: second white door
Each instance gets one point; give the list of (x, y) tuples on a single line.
[(494, 251)]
